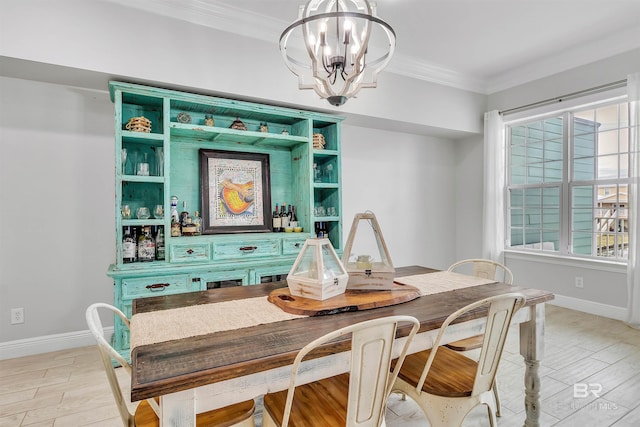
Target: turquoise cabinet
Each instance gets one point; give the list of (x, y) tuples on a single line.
[(158, 137)]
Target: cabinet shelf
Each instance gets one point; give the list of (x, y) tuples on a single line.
[(324, 153), (140, 222), (142, 137), (326, 218), (224, 135), (139, 178), (325, 185)]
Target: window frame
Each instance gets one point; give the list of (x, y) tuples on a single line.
[(568, 183)]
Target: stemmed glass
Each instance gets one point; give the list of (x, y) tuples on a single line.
[(143, 213), (158, 212)]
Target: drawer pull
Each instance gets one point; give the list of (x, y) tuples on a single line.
[(297, 245), (189, 251), (248, 248), (157, 287)]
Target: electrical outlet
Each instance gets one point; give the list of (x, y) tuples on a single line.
[(579, 282), (17, 316)]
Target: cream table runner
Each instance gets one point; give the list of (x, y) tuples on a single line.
[(441, 281), (184, 322)]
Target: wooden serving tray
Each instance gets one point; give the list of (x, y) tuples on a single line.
[(351, 300)]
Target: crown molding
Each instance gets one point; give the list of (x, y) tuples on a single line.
[(422, 70), (246, 23), (616, 43), (232, 19)]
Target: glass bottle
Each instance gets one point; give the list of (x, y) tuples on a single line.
[(321, 229), (197, 221), (184, 214), (316, 173), (174, 209), (160, 249), (277, 223), (129, 247), (284, 218), (175, 227), (328, 173), (293, 222), (146, 245), (188, 228)]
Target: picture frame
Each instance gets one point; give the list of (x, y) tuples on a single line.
[(235, 192)]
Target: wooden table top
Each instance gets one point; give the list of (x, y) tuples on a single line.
[(177, 365)]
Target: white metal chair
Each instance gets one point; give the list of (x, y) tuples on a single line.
[(487, 269), (357, 398), (238, 415), (445, 383)]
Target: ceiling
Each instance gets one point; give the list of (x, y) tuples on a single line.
[(480, 45)]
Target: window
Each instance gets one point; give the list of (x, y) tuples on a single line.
[(567, 181)]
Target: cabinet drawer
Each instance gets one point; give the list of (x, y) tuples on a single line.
[(190, 253), (242, 250), (292, 246), (152, 286)]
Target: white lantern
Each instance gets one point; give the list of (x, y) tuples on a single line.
[(317, 273), (366, 256)]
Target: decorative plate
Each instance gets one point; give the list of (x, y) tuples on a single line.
[(183, 118)]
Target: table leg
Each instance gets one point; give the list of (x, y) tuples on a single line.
[(532, 349), (178, 409)]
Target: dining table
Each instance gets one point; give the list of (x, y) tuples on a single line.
[(200, 360)]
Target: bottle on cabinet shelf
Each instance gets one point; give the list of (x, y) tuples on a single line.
[(188, 228), (321, 229), (175, 228), (293, 222), (184, 214), (317, 175), (284, 218), (146, 245), (160, 248), (197, 221), (129, 246), (174, 209), (276, 220)]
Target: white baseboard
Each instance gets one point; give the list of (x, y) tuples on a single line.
[(48, 343), (591, 307)]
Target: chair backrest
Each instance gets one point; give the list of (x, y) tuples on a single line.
[(372, 345), (500, 312), (485, 268), (107, 353)]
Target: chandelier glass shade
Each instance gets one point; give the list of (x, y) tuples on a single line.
[(337, 47)]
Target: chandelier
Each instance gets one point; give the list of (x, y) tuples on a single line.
[(337, 47)]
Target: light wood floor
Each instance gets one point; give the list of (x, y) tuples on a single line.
[(69, 388)]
